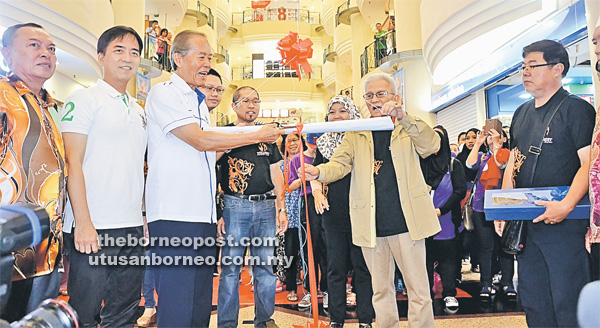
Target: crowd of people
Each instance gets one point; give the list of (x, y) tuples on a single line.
[(158, 43), (376, 200)]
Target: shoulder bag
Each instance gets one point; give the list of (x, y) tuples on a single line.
[(514, 234)]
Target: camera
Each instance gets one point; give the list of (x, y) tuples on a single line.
[(23, 225)]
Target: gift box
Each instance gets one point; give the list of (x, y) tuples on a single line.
[(519, 203)]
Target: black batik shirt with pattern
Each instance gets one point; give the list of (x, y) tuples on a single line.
[(389, 219), (247, 170), (570, 130)]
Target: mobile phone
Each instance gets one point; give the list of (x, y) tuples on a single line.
[(493, 123)]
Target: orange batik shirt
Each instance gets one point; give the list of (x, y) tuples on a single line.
[(32, 169)]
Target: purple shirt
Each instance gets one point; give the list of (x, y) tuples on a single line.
[(294, 166), (480, 166), (440, 196)]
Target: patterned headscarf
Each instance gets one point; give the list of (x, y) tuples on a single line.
[(328, 142)]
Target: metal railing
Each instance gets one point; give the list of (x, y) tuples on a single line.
[(342, 7), (275, 14), (223, 51), (273, 69), (202, 8), (157, 50), (326, 52), (380, 48)]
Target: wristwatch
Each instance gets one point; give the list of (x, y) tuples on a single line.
[(283, 210)]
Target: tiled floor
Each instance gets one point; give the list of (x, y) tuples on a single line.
[(284, 319), (472, 313)]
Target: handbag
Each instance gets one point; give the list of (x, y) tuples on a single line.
[(467, 210), (514, 237), (514, 233), (467, 213)]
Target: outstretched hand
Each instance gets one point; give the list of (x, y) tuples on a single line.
[(311, 172), (270, 133)]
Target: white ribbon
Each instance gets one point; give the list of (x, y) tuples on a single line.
[(368, 124)]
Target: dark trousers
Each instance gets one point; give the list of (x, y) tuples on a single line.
[(25, 295), (343, 255), (292, 248), (119, 286), (318, 244), (553, 269), (184, 291), (445, 253), (595, 261), (488, 242)]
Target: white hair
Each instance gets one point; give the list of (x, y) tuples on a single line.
[(377, 77)]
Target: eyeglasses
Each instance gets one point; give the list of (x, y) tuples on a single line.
[(531, 67), (248, 101), (379, 95), (212, 89)]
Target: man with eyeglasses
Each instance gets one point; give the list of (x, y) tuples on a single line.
[(390, 207), (181, 185), (553, 268), (253, 184), (213, 89)]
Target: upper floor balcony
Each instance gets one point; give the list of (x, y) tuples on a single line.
[(157, 49), (276, 14), (376, 52), (272, 68), (222, 54), (203, 15), (328, 54), (344, 11)]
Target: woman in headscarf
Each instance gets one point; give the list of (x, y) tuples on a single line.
[(435, 166), (448, 189), (333, 201), (466, 150), (467, 239)]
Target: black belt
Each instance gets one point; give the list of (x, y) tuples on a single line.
[(256, 197)]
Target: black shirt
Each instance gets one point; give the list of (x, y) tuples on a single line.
[(389, 219), (338, 197), (570, 130), (247, 170)]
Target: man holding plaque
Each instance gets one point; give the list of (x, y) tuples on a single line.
[(550, 139)]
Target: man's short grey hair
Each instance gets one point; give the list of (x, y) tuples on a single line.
[(181, 44), (377, 77)]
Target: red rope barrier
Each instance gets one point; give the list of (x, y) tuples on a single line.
[(311, 267)]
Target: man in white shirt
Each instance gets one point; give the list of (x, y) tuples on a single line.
[(181, 185), (104, 132)]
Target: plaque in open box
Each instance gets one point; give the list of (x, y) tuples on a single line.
[(519, 203)]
